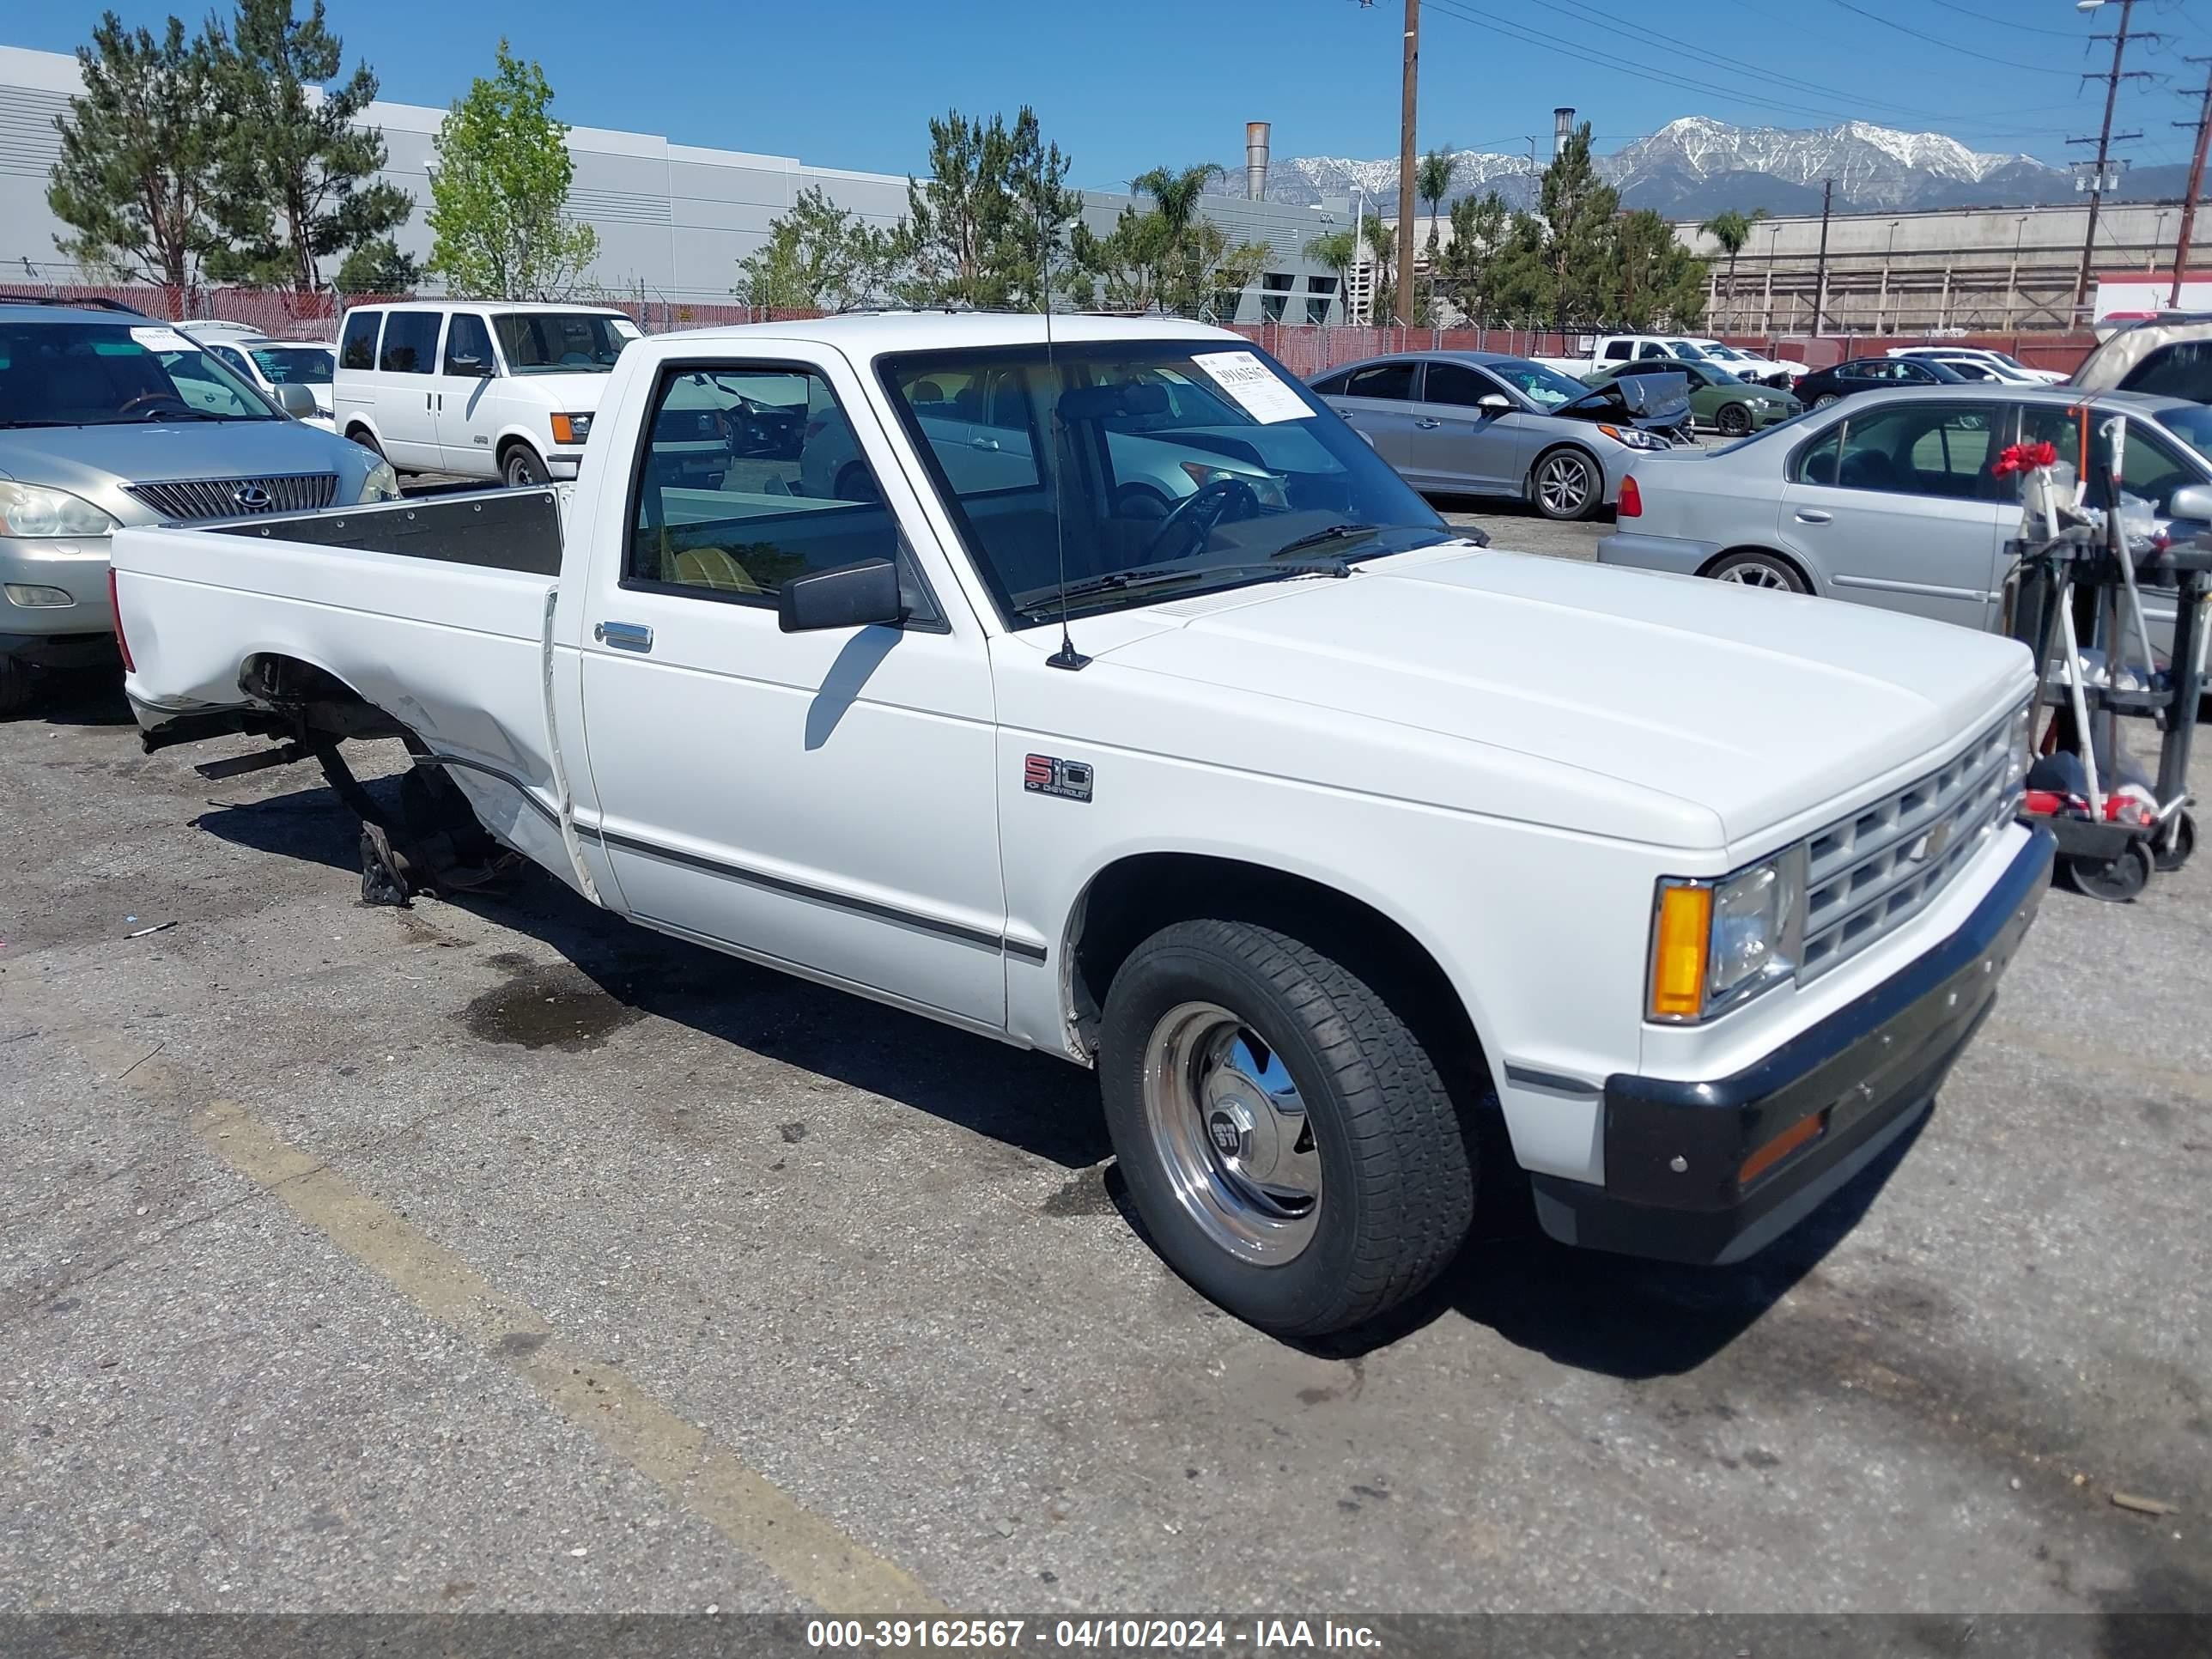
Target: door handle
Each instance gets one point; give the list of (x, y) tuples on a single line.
[(623, 636), (1813, 515), (1428, 423), (982, 443)]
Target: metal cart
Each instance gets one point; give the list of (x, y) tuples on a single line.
[(2072, 589)]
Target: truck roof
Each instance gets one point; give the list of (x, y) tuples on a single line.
[(511, 306), (874, 333)]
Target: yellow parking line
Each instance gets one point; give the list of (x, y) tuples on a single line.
[(830, 1569)]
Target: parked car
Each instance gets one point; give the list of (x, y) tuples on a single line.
[(1492, 424), (2170, 356), (1750, 365), (486, 391), (267, 364), (2000, 365), (1890, 502), (1824, 385), (1718, 401), (109, 419), (1609, 349), (1317, 831)]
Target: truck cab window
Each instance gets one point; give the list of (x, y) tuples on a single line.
[(751, 477)]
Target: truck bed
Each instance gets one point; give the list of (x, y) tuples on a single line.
[(438, 612)]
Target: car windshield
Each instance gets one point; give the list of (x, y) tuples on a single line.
[(55, 374), (1728, 353), (1684, 348), (295, 365), (562, 342), (2192, 425), (1144, 471), (1546, 388)]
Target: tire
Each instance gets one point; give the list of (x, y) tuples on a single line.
[(366, 439), (1759, 569), (1734, 420), (2178, 845), (856, 483), (521, 468), (14, 686), (2114, 880), (1552, 488), (1324, 1216), (1826, 399)]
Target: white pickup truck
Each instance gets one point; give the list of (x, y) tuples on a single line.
[(1332, 838)]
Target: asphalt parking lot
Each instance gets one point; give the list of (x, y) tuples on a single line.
[(494, 1255)]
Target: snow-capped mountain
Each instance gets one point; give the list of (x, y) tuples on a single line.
[(1696, 166)]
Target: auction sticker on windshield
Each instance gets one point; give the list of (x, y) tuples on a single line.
[(163, 339), (1255, 388), (623, 326)]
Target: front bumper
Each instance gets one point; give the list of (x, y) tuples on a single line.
[(77, 565), (1868, 1072)]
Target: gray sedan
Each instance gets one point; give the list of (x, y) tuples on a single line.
[(1887, 498), (1489, 424)]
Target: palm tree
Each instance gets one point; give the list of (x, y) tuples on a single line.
[(1175, 192), (1732, 230), (1340, 251), (1432, 182)]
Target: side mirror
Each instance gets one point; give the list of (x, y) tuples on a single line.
[(297, 401), (465, 364), (1496, 403), (851, 596), (2192, 502)]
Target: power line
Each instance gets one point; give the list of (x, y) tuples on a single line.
[(2005, 23), (1947, 45)]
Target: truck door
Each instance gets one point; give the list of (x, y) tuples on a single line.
[(824, 800), (467, 371)]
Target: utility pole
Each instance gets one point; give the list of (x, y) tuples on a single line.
[(2195, 183), (2104, 136), (1407, 98), (1821, 270)]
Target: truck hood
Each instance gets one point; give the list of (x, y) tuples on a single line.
[(1756, 707), (93, 460)]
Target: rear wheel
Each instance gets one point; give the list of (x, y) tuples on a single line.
[(366, 439), (1567, 485), (1758, 569), (1733, 419), (521, 469), (1825, 399), (14, 686), (1286, 1139), (2116, 880)]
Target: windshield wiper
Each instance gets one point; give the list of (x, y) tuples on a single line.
[(1330, 533), (1124, 581), (15, 425)]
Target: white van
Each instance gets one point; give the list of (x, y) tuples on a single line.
[(484, 388)]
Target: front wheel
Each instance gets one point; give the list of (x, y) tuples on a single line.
[(521, 468), (1825, 399), (1287, 1141), (14, 686), (1567, 485), (1734, 420), (1759, 570)]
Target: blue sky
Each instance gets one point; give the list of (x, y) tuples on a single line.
[(1134, 84)]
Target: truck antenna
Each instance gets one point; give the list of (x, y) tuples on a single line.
[(1067, 656)]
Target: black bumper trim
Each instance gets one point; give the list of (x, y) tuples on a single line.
[(1674, 1149)]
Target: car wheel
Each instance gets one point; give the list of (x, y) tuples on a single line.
[(521, 468), (1567, 485), (1287, 1142), (14, 686), (1826, 399), (366, 439), (856, 483), (1769, 570), (1734, 419)]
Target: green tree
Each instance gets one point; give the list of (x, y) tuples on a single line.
[(499, 187), (1464, 266), (1579, 209), (297, 173), (378, 266), (1167, 257), (1522, 285), (1340, 251), (1381, 241), (1656, 282), (137, 178), (1432, 182), (1175, 192), (1732, 230), (818, 257), (1125, 269), (995, 208)]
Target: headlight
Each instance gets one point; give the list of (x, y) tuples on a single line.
[(2018, 735), (33, 510), (1633, 437), (382, 484), (571, 428), (1714, 944)]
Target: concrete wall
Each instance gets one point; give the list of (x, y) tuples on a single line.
[(673, 220)]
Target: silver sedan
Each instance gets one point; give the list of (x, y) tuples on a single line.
[(1887, 498), (1489, 424)]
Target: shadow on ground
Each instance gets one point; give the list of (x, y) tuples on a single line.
[(1610, 1315)]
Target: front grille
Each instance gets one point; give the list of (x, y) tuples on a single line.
[(185, 500), (1869, 873)]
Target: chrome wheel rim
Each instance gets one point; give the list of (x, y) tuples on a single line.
[(1753, 573), (1231, 1133), (1563, 485)]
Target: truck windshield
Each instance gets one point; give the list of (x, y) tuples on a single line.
[(562, 342), (300, 365), (1145, 471), (115, 374)]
